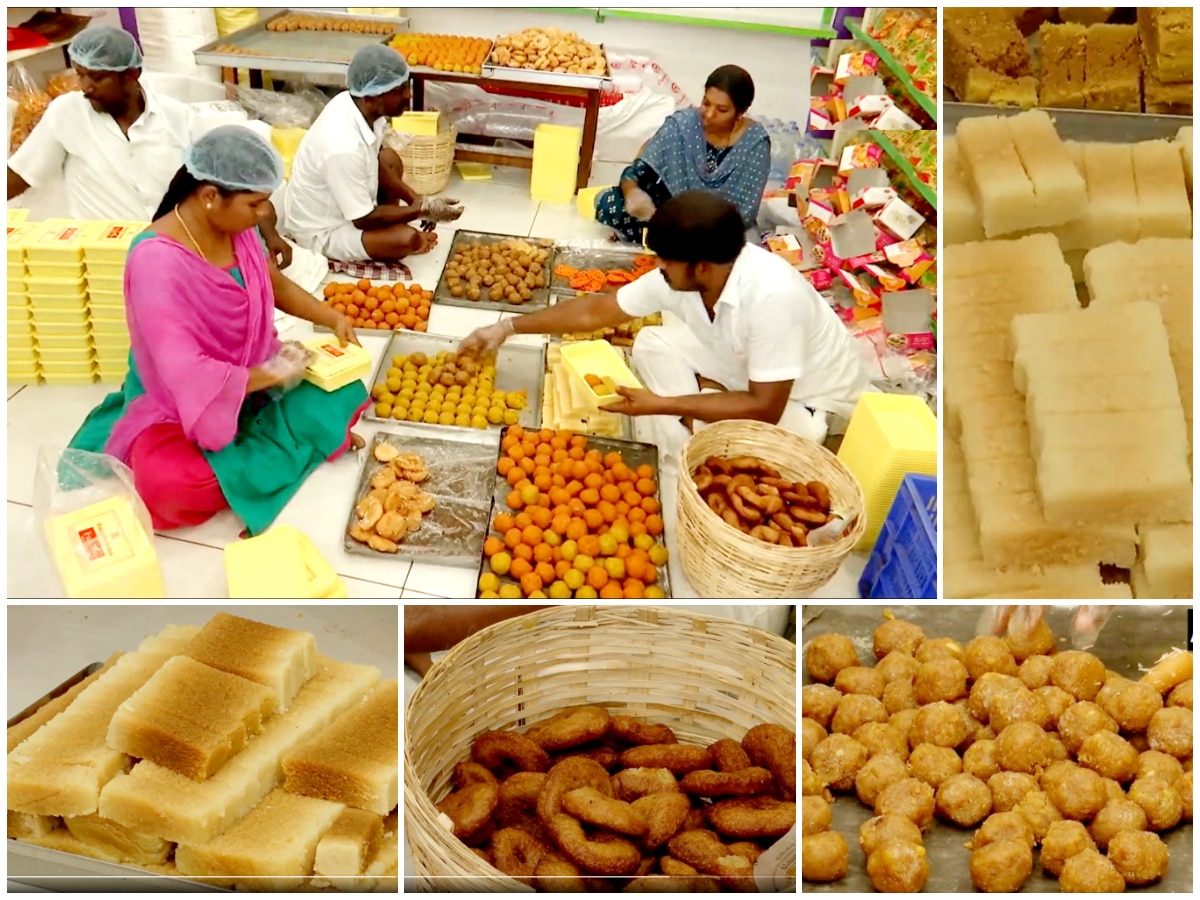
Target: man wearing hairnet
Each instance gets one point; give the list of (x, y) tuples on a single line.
[(117, 144), (346, 198)]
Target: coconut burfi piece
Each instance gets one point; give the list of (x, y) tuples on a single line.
[(1020, 92), (1166, 34), (1059, 188), (116, 843), (23, 825), (1143, 482), (1112, 193), (1002, 189), (1113, 68), (349, 845), (979, 37), (271, 849), (958, 214), (171, 806), (1165, 561), (1052, 433), (1163, 208), (170, 641), (190, 718), (1063, 54), (354, 760), (27, 726), (279, 658), (1164, 98), (1184, 138)]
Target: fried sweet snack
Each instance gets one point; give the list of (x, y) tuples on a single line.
[(704, 851), (752, 496), (472, 773), (470, 808), (568, 775), (678, 758), (494, 749), (665, 815), (774, 748), (635, 731), (393, 505), (596, 808), (601, 854), (517, 853), (752, 817), (633, 784), (728, 755), (745, 783), (571, 728)]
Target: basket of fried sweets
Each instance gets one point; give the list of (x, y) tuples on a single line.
[(603, 748), (765, 513)]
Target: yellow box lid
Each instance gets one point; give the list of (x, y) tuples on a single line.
[(600, 358), (60, 316), (322, 578), (17, 216), (102, 551), (423, 123), (281, 564), (56, 242), (335, 366), (108, 242), (17, 237)]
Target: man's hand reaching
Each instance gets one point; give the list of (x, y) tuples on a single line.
[(441, 209)]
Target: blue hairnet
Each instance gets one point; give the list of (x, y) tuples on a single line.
[(235, 158), (376, 69), (103, 48)]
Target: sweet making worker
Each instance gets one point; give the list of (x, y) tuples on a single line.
[(715, 147), (117, 144), (755, 339), (347, 198), (204, 419)]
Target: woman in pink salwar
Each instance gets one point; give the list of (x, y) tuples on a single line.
[(210, 416)]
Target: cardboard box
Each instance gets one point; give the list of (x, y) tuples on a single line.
[(858, 64), (852, 235), (893, 118), (899, 219), (860, 156), (906, 321), (910, 257)]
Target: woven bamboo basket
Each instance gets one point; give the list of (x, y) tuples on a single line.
[(721, 561), (429, 159), (708, 678)]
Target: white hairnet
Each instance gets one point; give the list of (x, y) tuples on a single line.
[(237, 159), (376, 69), (103, 48)]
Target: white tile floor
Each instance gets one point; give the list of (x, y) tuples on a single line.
[(192, 558)]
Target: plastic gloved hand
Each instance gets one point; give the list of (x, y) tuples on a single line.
[(639, 205), (441, 209), (1019, 621), (487, 340), (288, 365)]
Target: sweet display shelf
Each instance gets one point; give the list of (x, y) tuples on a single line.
[(923, 100), (927, 191)]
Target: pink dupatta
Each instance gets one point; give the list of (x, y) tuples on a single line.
[(195, 334)]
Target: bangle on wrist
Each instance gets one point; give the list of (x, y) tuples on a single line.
[(510, 325)]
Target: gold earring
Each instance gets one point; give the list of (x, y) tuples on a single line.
[(208, 206)]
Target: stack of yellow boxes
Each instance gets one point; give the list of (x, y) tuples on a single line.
[(58, 302), (22, 349), (889, 436), (104, 250), (555, 163)]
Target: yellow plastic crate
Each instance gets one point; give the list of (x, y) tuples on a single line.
[(889, 436)]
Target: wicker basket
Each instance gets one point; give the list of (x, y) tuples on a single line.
[(429, 159), (707, 678), (721, 561)]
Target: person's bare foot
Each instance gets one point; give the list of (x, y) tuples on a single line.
[(357, 442), (426, 241)]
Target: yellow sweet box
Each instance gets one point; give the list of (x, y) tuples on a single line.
[(422, 123), (17, 216), (56, 243), (107, 243), (335, 366), (280, 564), (17, 237), (103, 552), (555, 163), (599, 359)]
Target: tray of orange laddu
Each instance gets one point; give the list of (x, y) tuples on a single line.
[(233, 755)]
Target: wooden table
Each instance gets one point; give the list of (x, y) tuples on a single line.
[(498, 157)]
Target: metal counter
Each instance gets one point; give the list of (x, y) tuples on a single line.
[(1136, 635), (1079, 124)]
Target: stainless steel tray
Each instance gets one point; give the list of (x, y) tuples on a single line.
[(518, 368), (552, 79), (540, 298), (635, 454), (461, 462), (1080, 124), (318, 52), (1135, 634), (605, 258)]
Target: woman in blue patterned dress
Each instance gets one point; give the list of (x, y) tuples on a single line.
[(712, 148)]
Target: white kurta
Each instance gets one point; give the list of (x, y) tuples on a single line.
[(107, 174)]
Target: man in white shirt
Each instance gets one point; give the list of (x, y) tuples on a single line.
[(755, 340), (116, 144), (333, 203)]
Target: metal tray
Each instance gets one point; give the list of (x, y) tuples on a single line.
[(635, 454), (1136, 634), (541, 297), (57, 870), (518, 368), (1080, 124), (553, 79), (592, 258), (317, 52), (461, 463)]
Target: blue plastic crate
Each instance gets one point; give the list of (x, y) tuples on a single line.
[(903, 565)]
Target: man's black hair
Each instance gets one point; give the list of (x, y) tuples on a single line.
[(736, 82), (695, 227)]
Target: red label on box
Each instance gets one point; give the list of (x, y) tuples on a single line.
[(92, 546), (332, 350)]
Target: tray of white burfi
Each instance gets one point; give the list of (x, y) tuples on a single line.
[(1068, 362), (228, 756)]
